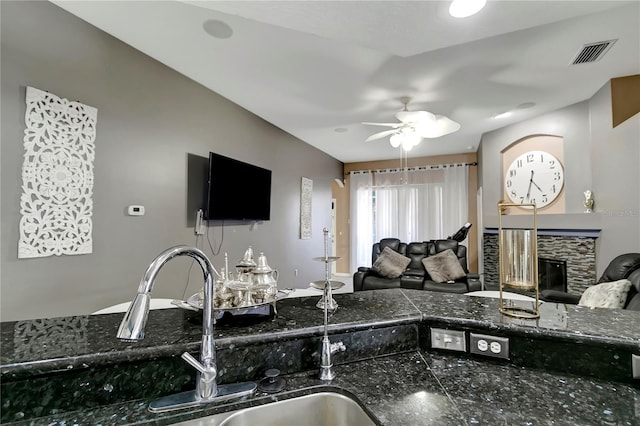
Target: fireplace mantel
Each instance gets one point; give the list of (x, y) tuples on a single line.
[(580, 233), (569, 221)]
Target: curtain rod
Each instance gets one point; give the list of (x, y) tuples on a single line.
[(415, 168)]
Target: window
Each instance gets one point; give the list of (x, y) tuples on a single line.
[(412, 205)]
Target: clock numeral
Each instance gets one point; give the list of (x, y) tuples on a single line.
[(533, 201), (552, 164), (521, 200), (556, 175), (542, 158), (519, 163), (512, 173), (509, 183), (544, 198), (513, 193), (529, 158), (553, 188)]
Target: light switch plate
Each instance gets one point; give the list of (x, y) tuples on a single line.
[(635, 366), (453, 340)]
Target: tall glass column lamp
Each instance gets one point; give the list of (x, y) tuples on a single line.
[(518, 263)]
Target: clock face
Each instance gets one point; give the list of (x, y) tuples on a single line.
[(535, 177)]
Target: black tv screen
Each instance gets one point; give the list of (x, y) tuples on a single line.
[(237, 190)]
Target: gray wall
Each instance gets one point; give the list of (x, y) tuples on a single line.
[(597, 157), (615, 169), (571, 123), (149, 119)]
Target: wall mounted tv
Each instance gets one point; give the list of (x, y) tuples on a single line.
[(237, 190)]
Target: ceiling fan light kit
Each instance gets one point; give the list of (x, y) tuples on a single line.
[(405, 137)]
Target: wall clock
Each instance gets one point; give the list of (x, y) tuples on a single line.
[(534, 177)]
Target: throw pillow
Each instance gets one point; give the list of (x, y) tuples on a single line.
[(606, 295), (390, 264), (443, 266)]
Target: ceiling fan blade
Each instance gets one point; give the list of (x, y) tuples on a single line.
[(442, 126), (384, 124), (380, 135), (415, 116)]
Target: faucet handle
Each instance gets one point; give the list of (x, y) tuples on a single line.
[(198, 365), (338, 346)]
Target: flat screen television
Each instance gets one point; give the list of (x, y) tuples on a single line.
[(237, 190)]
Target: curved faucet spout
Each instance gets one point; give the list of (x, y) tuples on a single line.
[(133, 324)]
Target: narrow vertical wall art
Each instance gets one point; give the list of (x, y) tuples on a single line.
[(57, 176), (306, 191)]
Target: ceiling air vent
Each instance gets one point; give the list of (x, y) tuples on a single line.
[(592, 52)]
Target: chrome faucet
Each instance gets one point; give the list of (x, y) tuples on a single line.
[(133, 324), (328, 348)]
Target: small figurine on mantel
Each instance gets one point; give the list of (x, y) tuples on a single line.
[(588, 201)]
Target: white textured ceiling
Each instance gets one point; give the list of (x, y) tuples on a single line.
[(311, 67)]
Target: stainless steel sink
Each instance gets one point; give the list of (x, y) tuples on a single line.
[(318, 409)]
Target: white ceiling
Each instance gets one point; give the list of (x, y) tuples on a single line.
[(318, 69)]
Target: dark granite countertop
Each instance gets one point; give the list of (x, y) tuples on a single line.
[(401, 383), (71, 342), (420, 388), (570, 322), (53, 344)]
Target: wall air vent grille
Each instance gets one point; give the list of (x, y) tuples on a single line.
[(592, 52)]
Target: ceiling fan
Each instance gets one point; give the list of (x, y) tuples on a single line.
[(413, 126)]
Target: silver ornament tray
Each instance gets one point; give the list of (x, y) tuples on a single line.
[(195, 303)]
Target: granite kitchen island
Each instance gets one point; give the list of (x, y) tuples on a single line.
[(571, 366)]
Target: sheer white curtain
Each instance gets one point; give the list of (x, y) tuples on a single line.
[(414, 205), (361, 202), (455, 199)]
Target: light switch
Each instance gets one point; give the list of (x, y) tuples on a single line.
[(453, 340)]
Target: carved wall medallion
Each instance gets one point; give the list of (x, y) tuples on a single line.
[(57, 176)]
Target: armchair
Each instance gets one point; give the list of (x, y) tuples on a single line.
[(624, 266)]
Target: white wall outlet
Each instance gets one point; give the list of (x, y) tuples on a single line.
[(453, 340), (493, 346), (483, 345)]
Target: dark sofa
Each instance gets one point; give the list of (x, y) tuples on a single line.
[(415, 276), (624, 266)]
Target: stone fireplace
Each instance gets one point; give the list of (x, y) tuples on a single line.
[(575, 247)]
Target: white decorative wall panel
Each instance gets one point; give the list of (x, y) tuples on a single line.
[(306, 194), (57, 176)]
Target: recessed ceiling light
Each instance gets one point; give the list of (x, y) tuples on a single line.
[(340, 130), (217, 29), (503, 115), (465, 8)]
